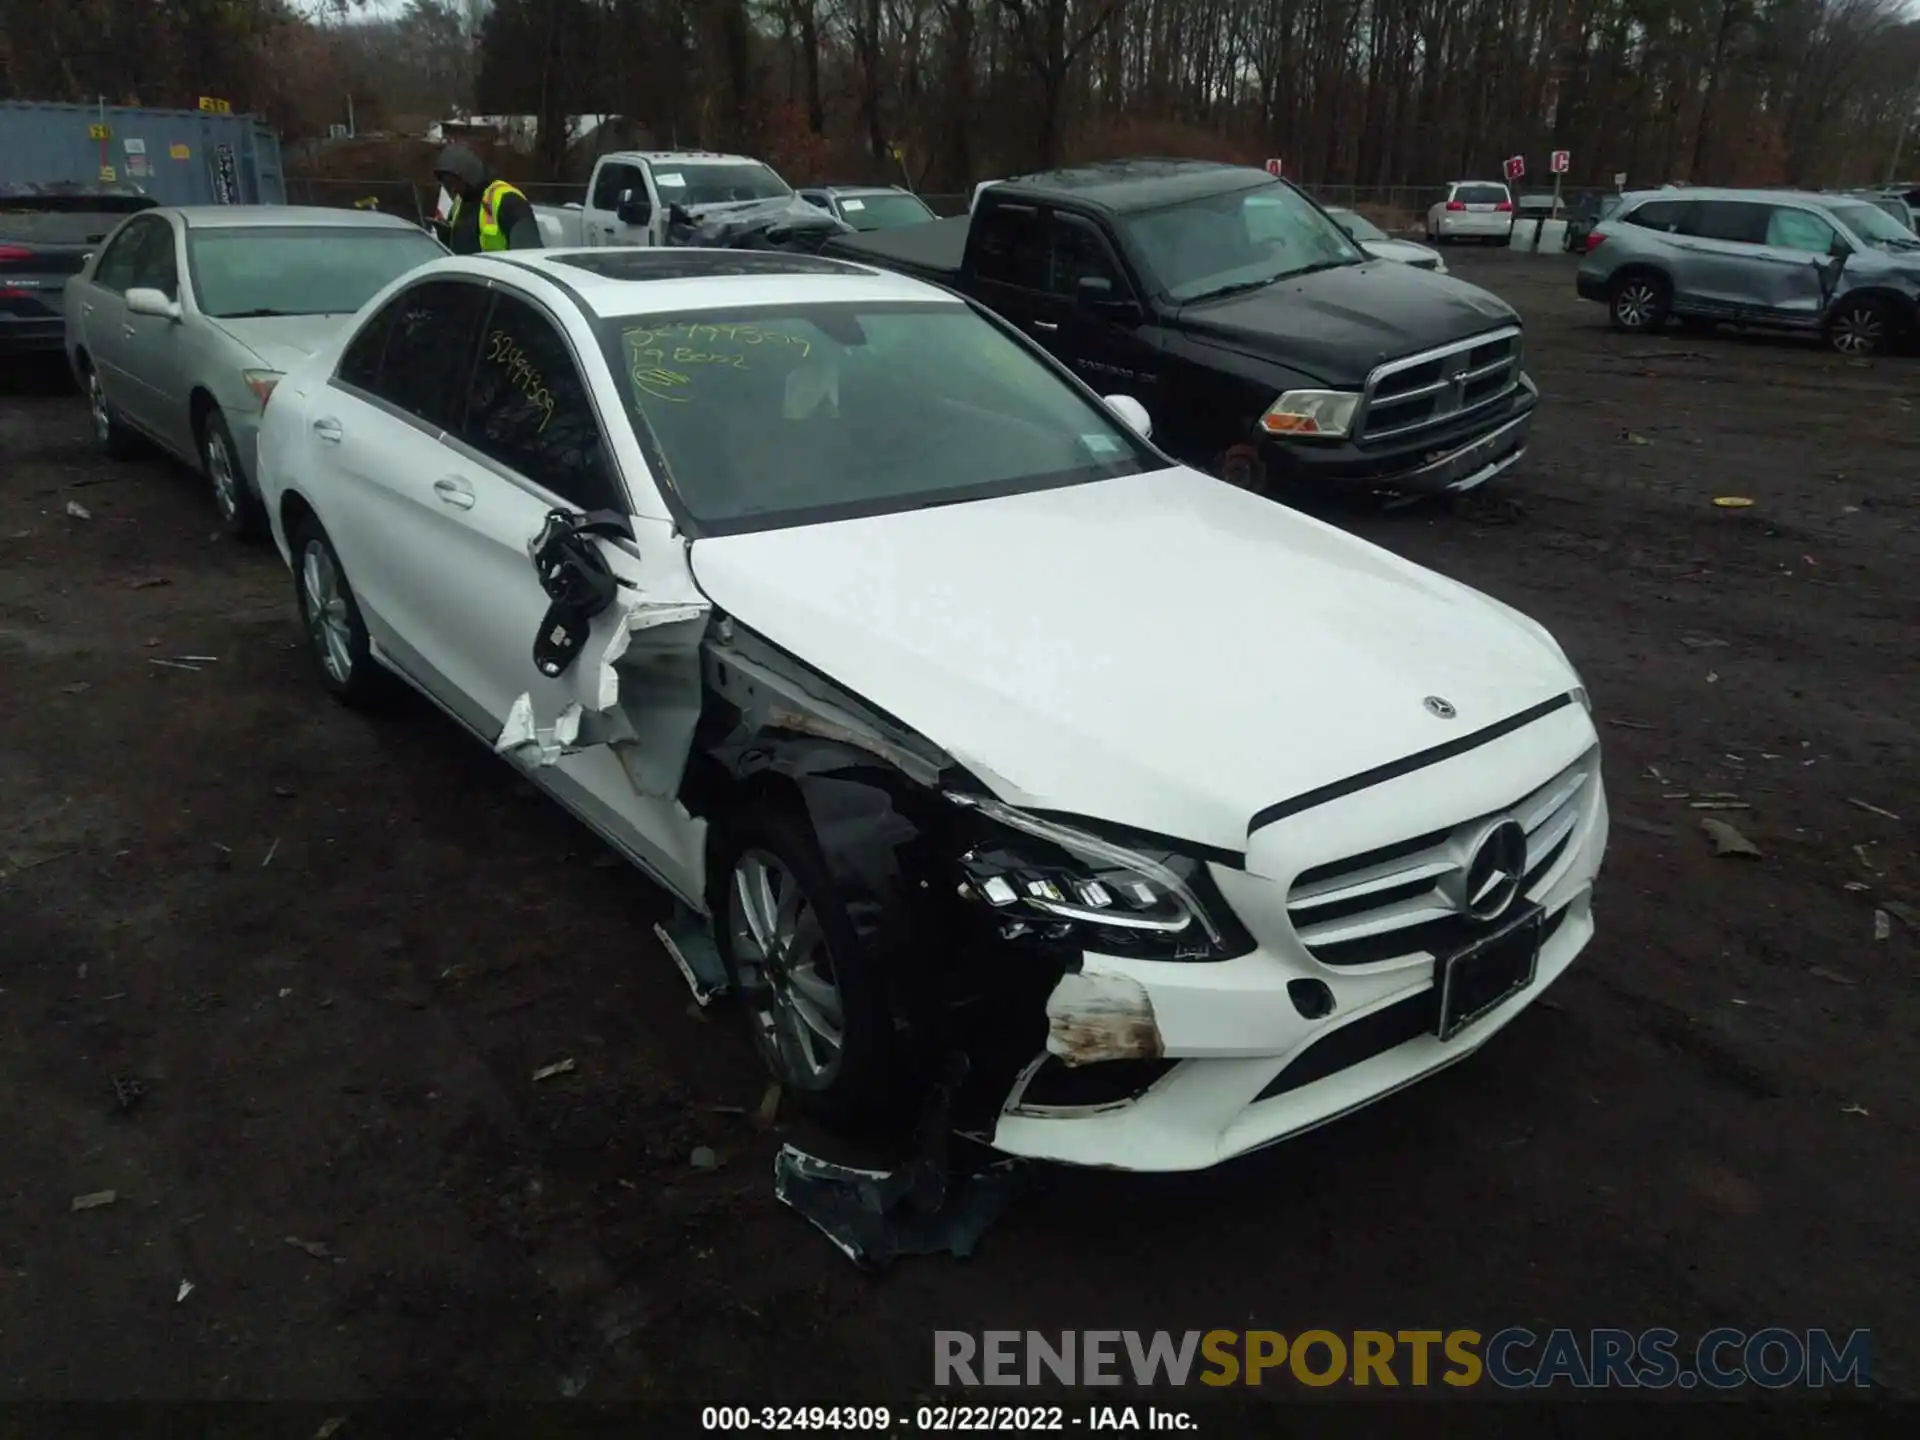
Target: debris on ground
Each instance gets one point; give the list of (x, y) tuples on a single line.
[(1871, 809), (174, 665), (1906, 914), (1629, 724), (272, 850), (186, 1289), (319, 1250), (1727, 840), (1732, 502), (704, 1158), (94, 1199), (1820, 972), (148, 582), (1853, 1110), (79, 687), (78, 511), (559, 1067), (1882, 925), (1860, 854), (1632, 438), (769, 1110), (329, 1428), (1703, 642), (1721, 805), (127, 1092), (222, 856)]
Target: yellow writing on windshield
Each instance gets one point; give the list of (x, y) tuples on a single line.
[(663, 358), (522, 373)]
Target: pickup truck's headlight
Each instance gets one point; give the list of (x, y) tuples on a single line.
[(1311, 412), (1052, 882)]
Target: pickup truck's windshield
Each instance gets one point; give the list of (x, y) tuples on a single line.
[(785, 416), (692, 184), (1238, 241)]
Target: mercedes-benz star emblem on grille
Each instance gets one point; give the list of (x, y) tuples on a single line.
[(1441, 709), (1494, 874)]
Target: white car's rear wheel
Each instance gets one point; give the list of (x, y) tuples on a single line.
[(330, 617)]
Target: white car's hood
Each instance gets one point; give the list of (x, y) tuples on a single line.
[(1162, 651), (1407, 252), (283, 341)]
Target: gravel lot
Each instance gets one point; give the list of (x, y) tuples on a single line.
[(333, 951)]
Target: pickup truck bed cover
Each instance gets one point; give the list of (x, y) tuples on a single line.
[(933, 251)]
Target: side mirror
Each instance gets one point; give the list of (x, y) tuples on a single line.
[(1133, 413), (632, 211), (1838, 250), (1096, 293), (144, 301)]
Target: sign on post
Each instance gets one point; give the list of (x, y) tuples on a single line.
[(1516, 166), (99, 132), (1273, 167), (1560, 161), (1619, 179)]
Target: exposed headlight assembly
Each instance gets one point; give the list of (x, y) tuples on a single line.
[(261, 383), (1326, 413), (1053, 882)]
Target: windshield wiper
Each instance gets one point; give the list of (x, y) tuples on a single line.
[(1240, 288), (257, 314)]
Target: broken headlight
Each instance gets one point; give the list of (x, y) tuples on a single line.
[(1049, 881)]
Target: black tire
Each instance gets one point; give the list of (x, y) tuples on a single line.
[(1860, 328), (343, 656), (114, 438), (1639, 302), (234, 499), (863, 1085)]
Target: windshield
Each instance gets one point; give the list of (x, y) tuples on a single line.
[(1358, 226), (884, 211), (299, 271), (1873, 224), (1237, 241), (687, 184), (767, 418), (66, 218)]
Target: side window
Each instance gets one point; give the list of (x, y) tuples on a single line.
[(360, 361), (1799, 230), (1080, 252), (1011, 248), (1658, 215), (529, 410), (1739, 221), (157, 265), (613, 179), (429, 350), (116, 268)]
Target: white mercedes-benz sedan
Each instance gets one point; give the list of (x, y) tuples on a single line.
[(983, 747)]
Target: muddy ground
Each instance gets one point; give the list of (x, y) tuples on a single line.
[(333, 952)]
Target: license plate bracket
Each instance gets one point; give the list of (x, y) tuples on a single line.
[(1477, 977)]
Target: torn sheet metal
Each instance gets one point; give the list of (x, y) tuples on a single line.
[(688, 938), (1093, 1017), (781, 223), (875, 1216)]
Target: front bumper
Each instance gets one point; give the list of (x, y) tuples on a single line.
[(1449, 461), (1242, 1075)]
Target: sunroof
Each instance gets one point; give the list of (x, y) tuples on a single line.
[(689, 263)]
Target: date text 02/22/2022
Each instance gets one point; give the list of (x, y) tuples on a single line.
[(945, 1419)]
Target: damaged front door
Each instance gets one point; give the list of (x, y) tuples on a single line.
[(596, 697)]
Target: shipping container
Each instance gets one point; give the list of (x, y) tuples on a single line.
[(180, 157)]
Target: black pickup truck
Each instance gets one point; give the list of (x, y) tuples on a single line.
[(1266, 347)]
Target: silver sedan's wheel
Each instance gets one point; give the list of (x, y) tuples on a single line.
[(1858, 331), (328, 629), (223, 474), (97, 403), (785, 971)]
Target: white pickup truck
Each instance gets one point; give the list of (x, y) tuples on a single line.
[(661, 197)]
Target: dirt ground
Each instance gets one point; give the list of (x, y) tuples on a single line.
[(333, 951)]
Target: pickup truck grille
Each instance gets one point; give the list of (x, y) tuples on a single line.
[(1436, 386), (1406, 899)]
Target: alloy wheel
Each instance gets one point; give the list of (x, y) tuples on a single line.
[(326, 605), (1636, 304), (1858, 331), (786, 972), (226, 485)]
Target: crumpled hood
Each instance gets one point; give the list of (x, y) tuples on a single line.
[(782, 223), (283, 341), (1163, 651), (1336, 325), (1407, 252)]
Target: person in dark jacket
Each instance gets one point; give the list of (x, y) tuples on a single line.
[(488, 213)]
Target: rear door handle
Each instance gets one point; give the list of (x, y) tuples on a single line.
[(454, 491), (1047, 325), (328, 429), (86, 307)]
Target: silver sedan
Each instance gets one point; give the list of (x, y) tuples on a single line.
[(183, 321)]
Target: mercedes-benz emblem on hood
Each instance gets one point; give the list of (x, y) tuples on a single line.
[(1441, 709), (1494, 874)]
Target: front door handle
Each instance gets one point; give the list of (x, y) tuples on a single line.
[(127, 330), (1046, 325), (454, 491), (327, 429), (86, 307)]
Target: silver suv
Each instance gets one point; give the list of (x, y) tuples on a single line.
[(1825, 263)]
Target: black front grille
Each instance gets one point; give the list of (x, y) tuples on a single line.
[(1441, 387), (1373, 1034)]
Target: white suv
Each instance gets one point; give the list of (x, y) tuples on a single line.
[(959, 720), (1473, 210)]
